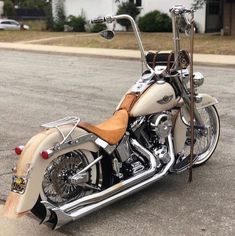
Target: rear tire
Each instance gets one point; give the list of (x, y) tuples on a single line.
[(56, 187)]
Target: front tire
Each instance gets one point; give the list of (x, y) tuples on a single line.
[(206, 144)]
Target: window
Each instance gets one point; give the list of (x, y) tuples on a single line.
[(6, 22), (214, 7), (138, 3)]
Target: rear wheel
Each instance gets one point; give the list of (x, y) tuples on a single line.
[(57, 187)]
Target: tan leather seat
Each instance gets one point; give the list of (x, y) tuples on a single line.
[(111, 130)]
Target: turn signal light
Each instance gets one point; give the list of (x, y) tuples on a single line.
[(19, 150), (46, 154)]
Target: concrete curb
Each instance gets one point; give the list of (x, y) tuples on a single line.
[(199, 59)]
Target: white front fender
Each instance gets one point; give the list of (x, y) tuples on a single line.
[(207, 101), (32, 164), (180, 127)]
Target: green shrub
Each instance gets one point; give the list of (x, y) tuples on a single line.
[(98, 27), (155, 21), (76, 23), (128, 8), (8, 9), (59, 19), (49, 17)]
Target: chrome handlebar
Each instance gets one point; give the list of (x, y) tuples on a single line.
[(98, 20), (111, 19), (179, 9), (176, 11)]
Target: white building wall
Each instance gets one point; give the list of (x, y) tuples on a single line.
[(165, 5), (90, 8), (1, 8), (95, 8)]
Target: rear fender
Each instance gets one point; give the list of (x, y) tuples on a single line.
[(180, 126), (32, 165)]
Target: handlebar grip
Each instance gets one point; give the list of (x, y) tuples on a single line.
[(98, 20), (180, 10)]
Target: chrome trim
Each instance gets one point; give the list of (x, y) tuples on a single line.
[(118, 187), (80, 140), (198, 98), (76, 177), (64, 121), (88, 204), (142, 84), (137, 36), (177, 11), (198, 79)]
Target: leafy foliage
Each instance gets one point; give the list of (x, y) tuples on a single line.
[(155, 21), (9, 9), (59, 19), (49, 16), (39, 4), (197, 4), (127, 8), (98, 27), (76, 23)]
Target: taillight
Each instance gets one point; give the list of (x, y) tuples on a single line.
[(46, 154), (19, 150)]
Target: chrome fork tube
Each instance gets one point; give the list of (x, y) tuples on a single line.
[(176, 40)]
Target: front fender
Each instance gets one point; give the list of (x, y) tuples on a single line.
[(31, 164), (180, 127), (207, 100)]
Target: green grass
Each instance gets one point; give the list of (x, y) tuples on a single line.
[(204, 43), (18, 36)]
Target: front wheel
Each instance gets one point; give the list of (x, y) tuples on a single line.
[(205, 141)]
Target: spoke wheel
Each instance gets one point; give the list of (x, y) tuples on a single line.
[(57, 187), (205, 142)]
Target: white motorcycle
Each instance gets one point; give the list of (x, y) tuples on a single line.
[(72, 168)]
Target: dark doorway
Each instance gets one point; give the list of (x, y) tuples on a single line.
[(213, 15)]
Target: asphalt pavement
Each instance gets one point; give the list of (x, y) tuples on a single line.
[(38, 88)]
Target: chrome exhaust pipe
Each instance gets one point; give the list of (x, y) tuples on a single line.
[(86, 205)]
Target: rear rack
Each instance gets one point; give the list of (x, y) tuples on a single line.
[(68, 120)]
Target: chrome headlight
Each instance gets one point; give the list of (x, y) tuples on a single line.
[(198, 79)]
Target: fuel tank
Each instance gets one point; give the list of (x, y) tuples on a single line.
[(158, 97)]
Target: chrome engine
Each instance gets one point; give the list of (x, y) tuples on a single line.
[(161, 124), (152, 132), (160, 127)]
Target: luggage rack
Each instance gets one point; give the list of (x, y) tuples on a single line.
[(68, 120)]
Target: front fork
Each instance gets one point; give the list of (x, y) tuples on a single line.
[(186, 98), (198, 120)]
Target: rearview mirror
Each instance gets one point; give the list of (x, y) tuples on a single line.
[(107, 34)]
